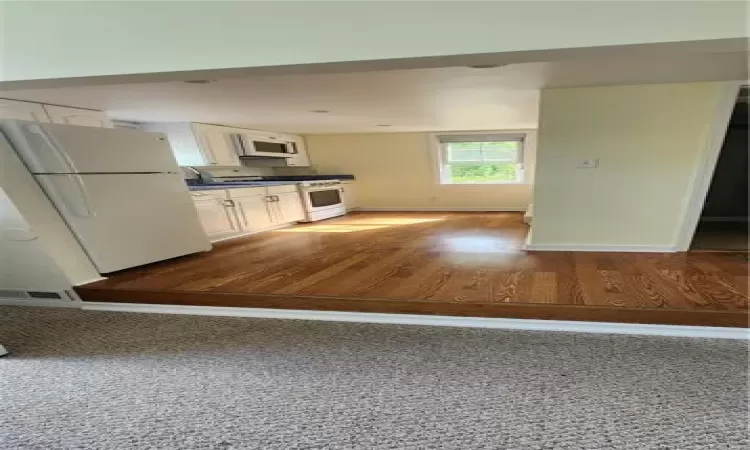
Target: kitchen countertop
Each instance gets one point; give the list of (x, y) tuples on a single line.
[(238, 184), (276, 180)]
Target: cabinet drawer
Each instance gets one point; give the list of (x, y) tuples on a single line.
[(209, 194), (282, 189), (246, 192)]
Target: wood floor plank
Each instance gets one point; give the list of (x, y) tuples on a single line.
[(544, 287), (454, 258), (592, 285)]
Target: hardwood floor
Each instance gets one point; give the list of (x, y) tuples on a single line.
[(441, 263)]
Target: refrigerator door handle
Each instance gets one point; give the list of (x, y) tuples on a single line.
[(85, 197), (62, 157)]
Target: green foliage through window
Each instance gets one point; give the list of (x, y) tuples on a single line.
[(481, 173), (491, 159)]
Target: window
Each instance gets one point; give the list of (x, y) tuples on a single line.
[(481, 158)]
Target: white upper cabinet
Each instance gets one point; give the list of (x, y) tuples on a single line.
[(76, 116), (216, 144), (301, 159), (197, 144), (13, 109)]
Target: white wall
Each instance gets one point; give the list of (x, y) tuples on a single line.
[(87, 38), (649, 139), (399, 171), (38, 213)]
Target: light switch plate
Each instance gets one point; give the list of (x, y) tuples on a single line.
[(591, 163)]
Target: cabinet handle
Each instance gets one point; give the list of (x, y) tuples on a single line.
[(244, 216), (276, 198), (268, 198), (229, 203)]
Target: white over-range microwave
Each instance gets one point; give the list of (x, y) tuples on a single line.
[(248, 145)]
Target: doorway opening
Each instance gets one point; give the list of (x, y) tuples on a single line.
[(723, 224)]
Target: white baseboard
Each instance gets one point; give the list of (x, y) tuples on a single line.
[(40, 302), (248, 233), (93, 280), (449, 321), (440, 209), (600, 248)]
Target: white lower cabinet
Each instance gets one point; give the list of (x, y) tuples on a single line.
[(253, 213), (228, 213), (288, 207), (214, 214)]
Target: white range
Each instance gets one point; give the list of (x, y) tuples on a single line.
[(323, 199)]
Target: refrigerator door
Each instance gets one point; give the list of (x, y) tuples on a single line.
[(58, 148), (127, 220)]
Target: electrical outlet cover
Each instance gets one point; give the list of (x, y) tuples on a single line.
[(591, 163)]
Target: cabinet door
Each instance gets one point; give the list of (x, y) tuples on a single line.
[(289, 208), (217, 145), (12, 109), (76, 116), (254, 212), (184, 142), (215, 218), (301, 159)]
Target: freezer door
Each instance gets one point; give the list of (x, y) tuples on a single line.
[(58, 148), (125, 221)]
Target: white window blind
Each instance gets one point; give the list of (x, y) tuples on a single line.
[(482, 149)]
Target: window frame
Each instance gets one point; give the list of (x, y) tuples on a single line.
[(439, 150)]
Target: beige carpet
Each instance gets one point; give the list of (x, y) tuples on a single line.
[(116, 381)]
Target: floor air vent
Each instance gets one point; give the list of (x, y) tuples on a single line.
[(34, 295), (12, 293), (45, 295)]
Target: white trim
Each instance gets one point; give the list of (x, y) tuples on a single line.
[(447, 321), (39, 302), (441, 209), (528, 162), (600, 248), (93, 280), (701, 181)]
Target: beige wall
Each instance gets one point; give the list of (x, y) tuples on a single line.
[(98, 38), (399, 171), (649, 139)]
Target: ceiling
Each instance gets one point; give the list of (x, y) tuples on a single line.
[(452, 98)]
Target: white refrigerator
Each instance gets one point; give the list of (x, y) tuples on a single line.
[(120, 191)]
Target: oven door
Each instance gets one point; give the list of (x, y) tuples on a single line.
[(265, 146), (318, 199)]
